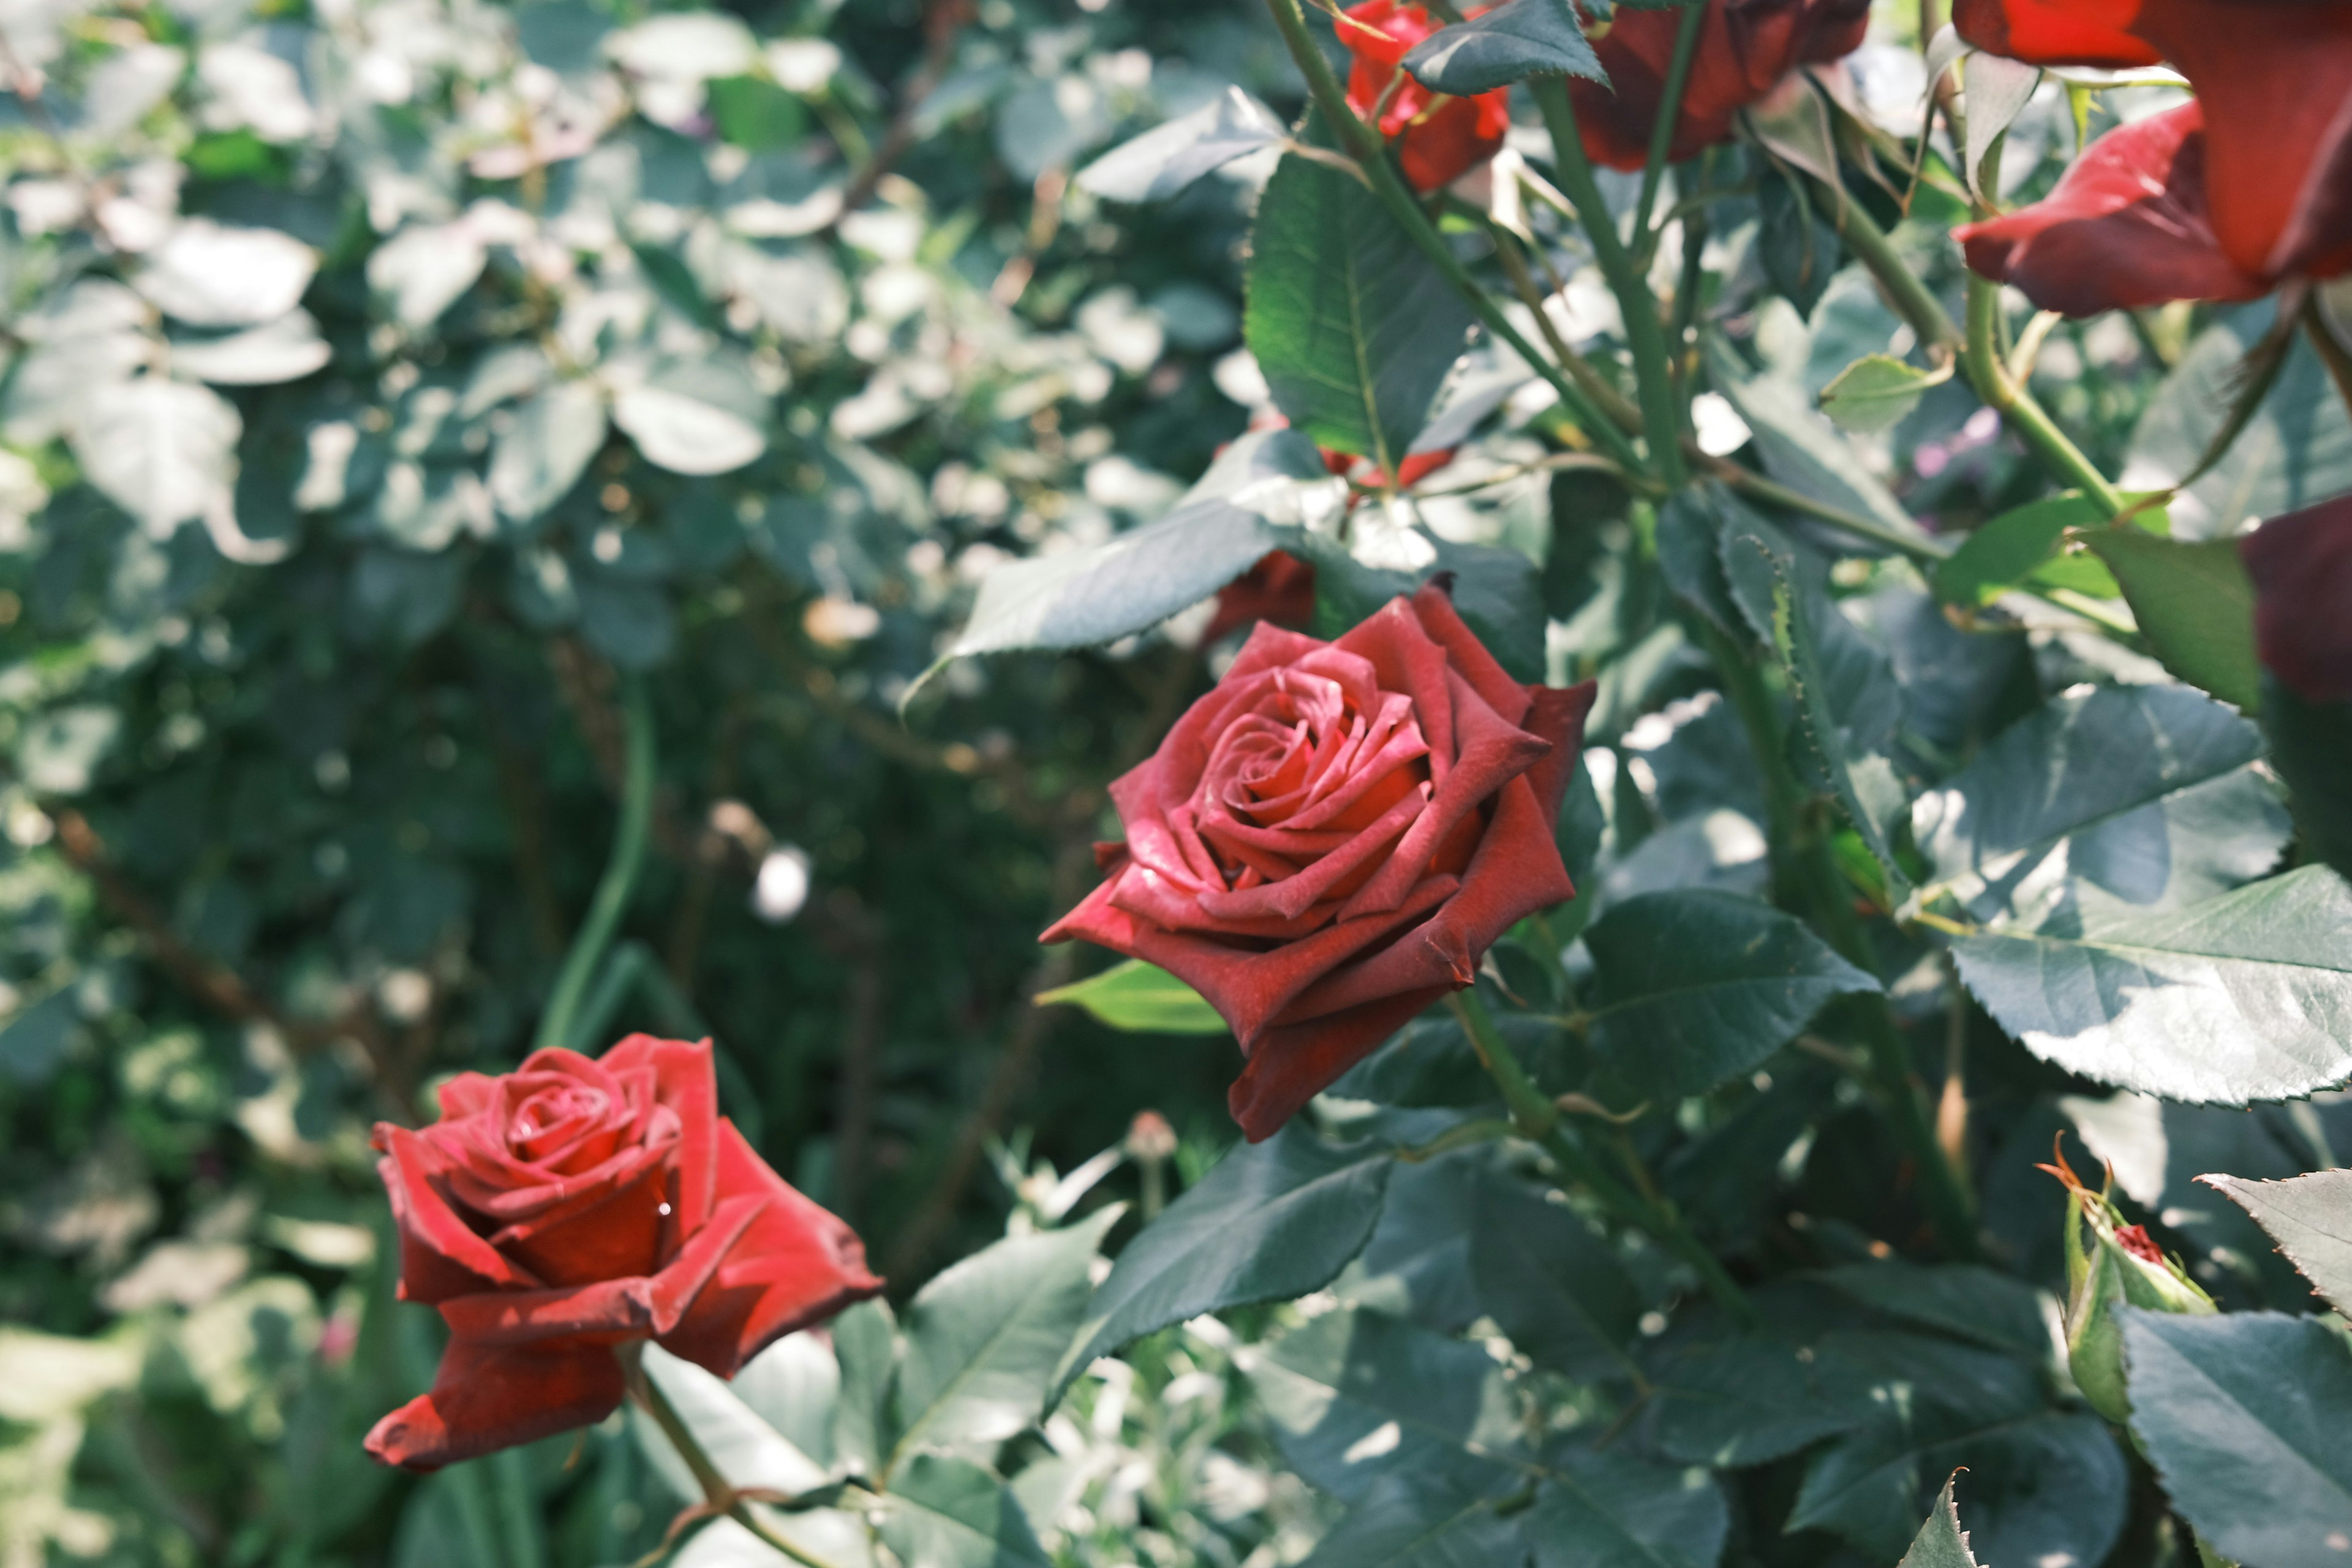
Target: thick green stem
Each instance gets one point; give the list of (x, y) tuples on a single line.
[(1645, 335), (1363, 144), (718, 1493), (1670, 105), (1913, 300), (611, 896), (1538, 1119), (1989, 374), (1601, 410)]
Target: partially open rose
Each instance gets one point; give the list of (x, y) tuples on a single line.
[(1329, 840), (573, 1206)]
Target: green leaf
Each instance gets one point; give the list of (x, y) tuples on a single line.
[(37, 1039), (1876, 391), (743, 1446), (866, 1343), (2243, 997), (1138, 996), (1353, 327), (2111, 801), (2243, 1415), (1510, 42), (1847, 698), (2050, 1484), (1270, 1222), (1411, 1520), (2020, 545), (1356, 1394), (2194, 603), (2311, 746), (1695, 988), (1941, 1542), (753, 114), (1166, 158), (2310, 1217), (1795, 242), (1555, 1288), (1498, 592), (163, 451), (704, 415), (982, 1340), (544, 453), (1098, 594), (1968, 1302), (2296, 450), (1599, 1507), (1799, 444), (949, 1513)]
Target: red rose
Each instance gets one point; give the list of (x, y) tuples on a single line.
[(573, 1206), (1279, 589), (2273, 165), (1327, 842), (1444, 138), (1745, 48), (2126, 226), (2302, 568)]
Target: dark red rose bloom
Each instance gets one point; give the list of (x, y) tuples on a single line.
[(2126, 226), (2302, 568), (2272, 146), (1327, 842), (573, 1206), (1745, 48), (1443, 138), (1278, 590)]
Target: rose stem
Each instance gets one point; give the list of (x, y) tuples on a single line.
[(718, 1492), (1670, 107), (611, 898), (1364, 146), (1537, 1119)]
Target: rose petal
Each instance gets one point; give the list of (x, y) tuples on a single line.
[(606, 1311), (2126, 225), (1432, 605), (687, 1081), (611, 1231), (485, 1399), (2056, 32), (795, 1265), (2302, 568), (1292, 1065), (440, 1255)]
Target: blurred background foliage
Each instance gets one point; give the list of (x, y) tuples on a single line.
[(385, 381)]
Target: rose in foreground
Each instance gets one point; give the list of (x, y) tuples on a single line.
[(2221, 199), (1329, 840), (1443, 137), (558, 1211), (1745, 48)]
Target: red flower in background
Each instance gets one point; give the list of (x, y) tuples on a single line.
[(2256, 175), (573, 1206), (1278, 590), (2302, 568), (1745, 48), (1327, 842), (1443, 138)]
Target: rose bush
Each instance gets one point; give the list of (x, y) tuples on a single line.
[(1329, 840), (571, 1205)]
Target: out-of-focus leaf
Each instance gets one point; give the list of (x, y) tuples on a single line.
[(1696, 987), (37, 1039), (59, 752), (943, 1513), (287, 349), (701, 417), (1164, 160), (1408, 1521), (423, 269), (163, 451), (1353, 327), (2247, 996), (2242, 1414), (2019, 545), (1799, 444), (2194, 603), (1508, 43), (1271, 1221), (544, 453), (1138, 996), (209, 275), (1876, 393), (866, 1343), (1598, 1508)]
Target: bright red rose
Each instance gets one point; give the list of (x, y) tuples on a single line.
[(1745, 48), (1327, 842), (1280, 590), (573, 1206), (1443, 138), (2273, 81), (2126, 226), (2302, 568)]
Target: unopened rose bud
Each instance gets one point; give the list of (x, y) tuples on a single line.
[(1149, 1137), (2109, 1265)]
